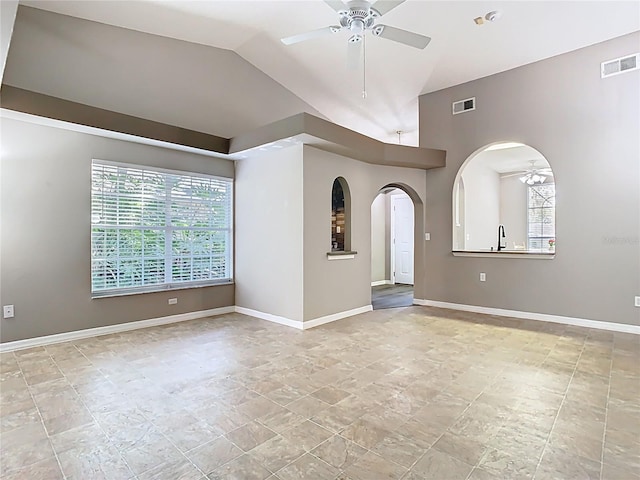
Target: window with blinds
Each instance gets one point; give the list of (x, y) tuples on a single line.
[(541, 216), (158, 229)]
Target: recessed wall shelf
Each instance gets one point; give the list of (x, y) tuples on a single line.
[(348, 255)]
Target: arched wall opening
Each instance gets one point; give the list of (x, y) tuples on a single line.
[(340, 216), (396, 212), (504, 201)]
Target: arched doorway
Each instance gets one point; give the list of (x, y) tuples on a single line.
[(392, 249)]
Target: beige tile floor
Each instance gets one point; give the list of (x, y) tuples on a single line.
[(412, 393)]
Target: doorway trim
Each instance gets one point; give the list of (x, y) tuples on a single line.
[(392, 240)]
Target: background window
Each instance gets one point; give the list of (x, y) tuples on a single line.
[(541, 217), (156, 229)]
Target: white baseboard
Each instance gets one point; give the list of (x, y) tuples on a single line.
[(381, 282), (182, 317), (269, 317), (153, 322), (303, 325), (336, 316), (544, 317), (121, 327)]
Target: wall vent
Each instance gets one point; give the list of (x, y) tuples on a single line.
[(462, 106), (620, 65)]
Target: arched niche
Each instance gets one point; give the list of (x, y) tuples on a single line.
[(504, 184), (340, 216)]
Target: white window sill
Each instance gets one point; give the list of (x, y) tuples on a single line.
[(522, 254), (347, 255), (159, 289)]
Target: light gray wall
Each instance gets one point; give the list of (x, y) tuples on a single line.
[(46, 232), (179, 83), (269, 226), (482, 210), (378, 239), (8, 9), (333, 286), (513, 211), (587, 128)]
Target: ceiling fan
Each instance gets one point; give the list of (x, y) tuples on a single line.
[(532, 175), (358, 16)]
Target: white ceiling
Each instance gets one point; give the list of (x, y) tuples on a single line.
[(396, 75), (508, 160)]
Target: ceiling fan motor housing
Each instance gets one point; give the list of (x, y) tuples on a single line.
[(359, 17)]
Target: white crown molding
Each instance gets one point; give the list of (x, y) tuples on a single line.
[(543, 317), (121, 327)]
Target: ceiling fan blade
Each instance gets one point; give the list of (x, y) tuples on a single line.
[(337, 5), (401, 36), (354, 53), (512, 174), (301, 37), (385, 6)]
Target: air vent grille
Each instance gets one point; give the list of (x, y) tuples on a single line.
[(462, 106), (620, 65)]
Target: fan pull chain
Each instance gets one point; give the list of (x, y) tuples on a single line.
[(364, 67)]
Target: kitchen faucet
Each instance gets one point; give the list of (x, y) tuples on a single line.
[(500, 237)]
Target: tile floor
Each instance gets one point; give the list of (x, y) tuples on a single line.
[(412, 393)]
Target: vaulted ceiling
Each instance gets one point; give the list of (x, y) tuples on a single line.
[(315, 71)]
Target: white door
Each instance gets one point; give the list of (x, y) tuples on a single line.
[(402, 238)]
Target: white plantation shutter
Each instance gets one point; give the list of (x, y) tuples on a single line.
[(155, 229)]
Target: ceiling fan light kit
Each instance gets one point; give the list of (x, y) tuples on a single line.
[(532, 178), (535, 175)]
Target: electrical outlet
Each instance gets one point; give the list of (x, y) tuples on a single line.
[(427, 236), (483, 277), (638, 301), (7, 311), (173, 301)]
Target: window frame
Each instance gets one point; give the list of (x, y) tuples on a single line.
[(167, 230), (541, 237)]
